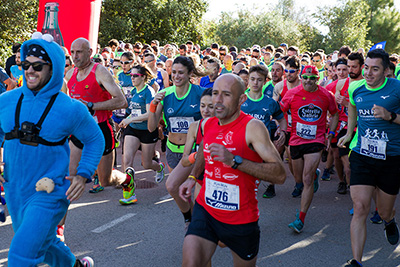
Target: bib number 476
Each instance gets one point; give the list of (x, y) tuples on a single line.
[(220, 195)]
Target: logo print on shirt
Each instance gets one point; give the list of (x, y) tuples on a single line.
[(228, 138), (265, 109), (193, 106), (310, 113), (220, 136), (384, 97), (359, 99), (217, 172), (170, 110), (230, 176)]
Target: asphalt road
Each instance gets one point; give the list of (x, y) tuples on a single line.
[(151, 232)]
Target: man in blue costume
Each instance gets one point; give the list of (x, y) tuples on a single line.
[(36, 120)]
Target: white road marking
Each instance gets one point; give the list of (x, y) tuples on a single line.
[(113, 223)]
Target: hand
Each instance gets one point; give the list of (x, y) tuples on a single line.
[(342, 141), (220, 153), (185, 190), (281, 140), (125, 122), (159, 97), (76, 188), (381, 113)]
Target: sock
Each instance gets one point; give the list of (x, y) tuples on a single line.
[(302, 216), (386, 223), (162, 167), (187, 216), (299, 185)]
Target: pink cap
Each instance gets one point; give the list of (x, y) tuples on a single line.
[(310, 70)]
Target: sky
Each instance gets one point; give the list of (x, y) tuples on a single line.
[(216, 6)]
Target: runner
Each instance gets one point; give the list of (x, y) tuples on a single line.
[(374, 160), (309, 104), (226, 208), (137, 134), (180, 106), (43, 149)]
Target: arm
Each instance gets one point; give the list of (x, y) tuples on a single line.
[(164, 74), (351, 124), (384, 114), (154, 118), (190, 139), (140, 118), (105, 79), (277, 91), (341, 100), (155, 86), (257, 137), (11, 84), (332, 128), (283, 129)]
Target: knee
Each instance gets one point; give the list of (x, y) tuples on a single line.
[(360, 209), (171, 185)]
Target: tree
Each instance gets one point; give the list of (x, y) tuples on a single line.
[(164, 20), (18, 23), (348, 24)]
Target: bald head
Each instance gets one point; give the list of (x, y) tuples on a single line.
[(232, 82), (81, 52)]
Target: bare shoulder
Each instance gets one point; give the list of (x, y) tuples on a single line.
[(68, 75)]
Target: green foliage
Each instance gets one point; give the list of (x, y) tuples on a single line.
[(348, 24), (385, 26), (164, 20), (19, 20)]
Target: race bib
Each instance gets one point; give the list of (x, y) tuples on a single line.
[(306, 131), (180, 124), (222, 196), (120, 113), (136, 112), (373, 148), (342, 125)]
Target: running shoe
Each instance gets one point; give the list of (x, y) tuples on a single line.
[(342, 188), (392, 232), (129, 201), (270, 192), (160, 174), (376, 218), (96, 186), (332, 169), (326, 176), (353, 263), (157, 157), (297, 225), (316, 180), (60, 232), (128, 186), (85, 262), (297, 191)]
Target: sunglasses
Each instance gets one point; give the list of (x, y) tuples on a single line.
[(135, 75), (222, 54), (126, 62), (290, 71), (148, 61), (254, 56), (316, 60), (137, 52), (37, 66), (311, 78)]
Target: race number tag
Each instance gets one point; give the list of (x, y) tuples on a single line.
[(222, 196), (180, 124), (342, 125), (373, 148), (136, 113), (306, 131)]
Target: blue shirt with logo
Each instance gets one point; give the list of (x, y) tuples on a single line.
[(376, 138), (137, 105)]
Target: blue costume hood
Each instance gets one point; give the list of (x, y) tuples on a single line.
[(57, 57)]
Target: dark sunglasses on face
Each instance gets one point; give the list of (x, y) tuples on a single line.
[(37, 66), (311, 78), (135, 75), (126, 62), (290, 71)]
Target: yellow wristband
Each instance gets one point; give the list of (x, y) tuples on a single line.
[(194, 178)]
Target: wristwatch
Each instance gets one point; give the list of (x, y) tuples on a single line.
[(90, 107), (237, 160), (393, 116)]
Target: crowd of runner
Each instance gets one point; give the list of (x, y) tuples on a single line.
[(302, 107)]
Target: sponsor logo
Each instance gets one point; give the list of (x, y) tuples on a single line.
[(244, 104), (208, 173), (220, 136), (217, 172), (384, 97), (310, 113), (193, 106), (170, 110), (230, 176), (359, 99), (228, 138), (221, 205)]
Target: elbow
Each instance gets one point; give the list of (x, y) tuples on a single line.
[(281, 177), (124, 103)]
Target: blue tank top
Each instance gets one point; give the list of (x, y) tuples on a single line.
[(376, 138), (159, 80), (179, 113), (137, 105), (263, 109)]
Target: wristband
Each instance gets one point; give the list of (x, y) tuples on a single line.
[(153, 107), (332, 133), (194, 178), (192, 157)]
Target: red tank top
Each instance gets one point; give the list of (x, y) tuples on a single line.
[(287, 115), (229, 195), (343, 113), (90, 91)]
